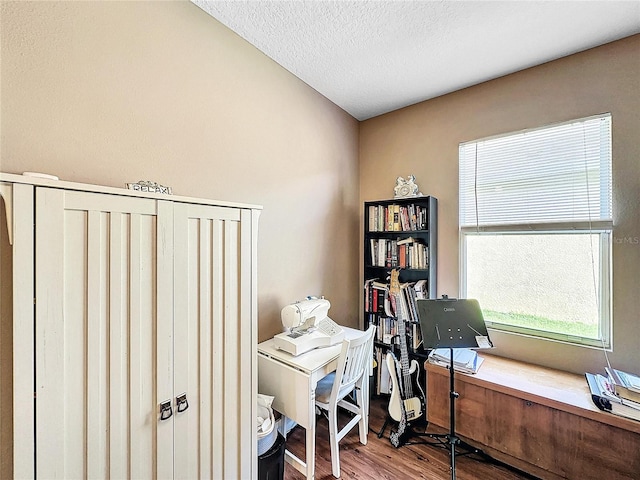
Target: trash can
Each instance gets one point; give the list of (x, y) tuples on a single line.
[(271, 463), (270, 442), (266, 424)]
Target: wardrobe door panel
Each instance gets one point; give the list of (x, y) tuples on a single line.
[(212, 436), (98, 336)]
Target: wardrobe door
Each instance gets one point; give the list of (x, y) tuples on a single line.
[(103, 333), (215, 341)]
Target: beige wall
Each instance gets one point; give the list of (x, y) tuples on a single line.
[(423, 140), (113, 92)]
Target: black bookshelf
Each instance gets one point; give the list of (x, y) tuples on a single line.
[(402, 234)]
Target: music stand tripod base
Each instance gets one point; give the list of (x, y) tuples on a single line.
[(452, 323)]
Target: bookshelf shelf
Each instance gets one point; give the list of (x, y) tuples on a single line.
[(402, 234)]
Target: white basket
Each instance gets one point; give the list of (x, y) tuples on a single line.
[(267, 438)]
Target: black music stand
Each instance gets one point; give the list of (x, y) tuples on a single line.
[(452, 323)]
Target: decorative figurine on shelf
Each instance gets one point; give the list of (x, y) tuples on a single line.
[(406, 188), (151, 187)]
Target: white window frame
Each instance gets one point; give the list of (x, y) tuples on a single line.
[(603, 228)]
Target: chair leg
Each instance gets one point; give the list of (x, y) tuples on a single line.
[(363, 426), (333, 440)]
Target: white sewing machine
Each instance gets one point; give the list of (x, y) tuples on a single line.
[(307, 327)]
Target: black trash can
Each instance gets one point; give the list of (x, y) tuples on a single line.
[(271, 463)]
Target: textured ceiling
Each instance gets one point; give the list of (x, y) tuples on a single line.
[(372, 57)]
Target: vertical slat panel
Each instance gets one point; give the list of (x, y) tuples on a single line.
[(75, 253), (232, 378), (142, 384), (145, 417), (200, 415), (255, 216), (23, 324), (204, 346), (163, 338), (247, 343), (97, 278), (136, 349), (118, 380), (218, 407), (50, 375), (182, 320)]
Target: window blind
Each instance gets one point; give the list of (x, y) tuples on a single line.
[(555, 174)]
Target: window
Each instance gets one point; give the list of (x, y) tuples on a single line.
[(535, 230)]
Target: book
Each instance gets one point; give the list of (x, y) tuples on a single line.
[(608, 389), (374, 251), (416, 336), (389, 215), (406, 240), (464, 359), (626, 384), (385, 376), (381, 257), (396, 218), (421, 289), (373, 218), (607, 401)]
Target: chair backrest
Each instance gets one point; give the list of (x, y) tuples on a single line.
[(354, 361)]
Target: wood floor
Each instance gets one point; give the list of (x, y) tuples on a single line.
[(380, 460)]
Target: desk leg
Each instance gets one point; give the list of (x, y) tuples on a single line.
[(310, 446)]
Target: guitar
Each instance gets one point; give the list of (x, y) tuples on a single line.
[(407, 402)]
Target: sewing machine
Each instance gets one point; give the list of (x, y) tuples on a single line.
[(307, 326)]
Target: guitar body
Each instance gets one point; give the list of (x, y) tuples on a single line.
[(414, 407)]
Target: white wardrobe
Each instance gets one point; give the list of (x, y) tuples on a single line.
[(134, 333)]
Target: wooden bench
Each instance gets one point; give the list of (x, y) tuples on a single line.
[(539, 420)]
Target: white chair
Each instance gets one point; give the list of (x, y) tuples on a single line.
[(352, 373)]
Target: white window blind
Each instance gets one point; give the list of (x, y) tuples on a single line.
[(555, 174)]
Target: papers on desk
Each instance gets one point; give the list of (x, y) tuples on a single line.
[(464, 359)]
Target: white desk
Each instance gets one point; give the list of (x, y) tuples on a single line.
[(292, 381)]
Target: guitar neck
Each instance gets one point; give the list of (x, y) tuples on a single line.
[(396, 292)]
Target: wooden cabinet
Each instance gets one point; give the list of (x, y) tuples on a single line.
[(139, 301), (539, 420)]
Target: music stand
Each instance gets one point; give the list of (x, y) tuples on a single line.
[(452, 323)]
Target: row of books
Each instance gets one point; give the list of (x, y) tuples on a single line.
[(607, 395), (403, 253), (387, 329), (376, 298), (397, 218), (464, 359)]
